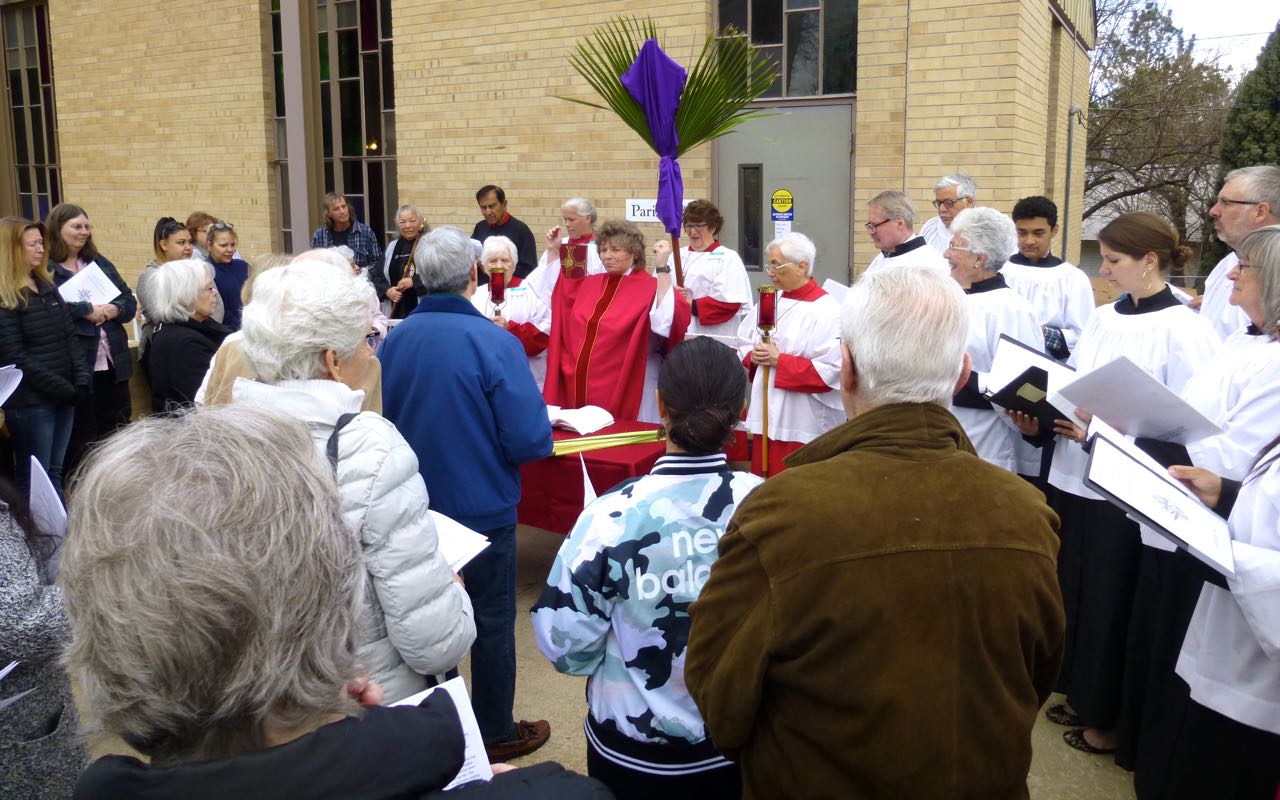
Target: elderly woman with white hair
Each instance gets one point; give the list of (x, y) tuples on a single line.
[(571, 246), (978, 249), (522, 312), (306, 338), (220, 639), (394, 280), (803, 354), (183, 297)]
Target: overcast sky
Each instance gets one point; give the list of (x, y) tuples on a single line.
[(1210, 19)]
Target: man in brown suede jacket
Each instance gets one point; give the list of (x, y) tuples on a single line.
[(884, 618)]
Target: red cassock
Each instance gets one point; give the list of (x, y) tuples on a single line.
[(601, 336)]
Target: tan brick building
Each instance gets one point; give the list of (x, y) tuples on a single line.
[(250, 109)]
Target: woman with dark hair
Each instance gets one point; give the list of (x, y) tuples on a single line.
[(229, 272), (103, 340), (38, 336), (608, 329), (715, 280), (41, 754), (616, 605), (1101, 549), (171, 241)]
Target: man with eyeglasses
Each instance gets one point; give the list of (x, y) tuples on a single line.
[(891, 219), (952, 194), (1249, 199)]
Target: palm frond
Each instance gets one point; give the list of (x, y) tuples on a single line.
[(728, 75)]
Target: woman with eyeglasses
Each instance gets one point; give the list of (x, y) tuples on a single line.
[(37, 336), (186, 337), (229, 272), (715, 280), (802, 353), (306, 338), (103, 339)]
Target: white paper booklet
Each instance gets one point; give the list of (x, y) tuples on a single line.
[(1135, 403), (48, 513), (458, 543), (10, 377), (89, 285), (8, 701), (475, 761), (1155, 498), (836, 289), (587, 419)]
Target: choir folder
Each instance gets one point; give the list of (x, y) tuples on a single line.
[(1026, 377)]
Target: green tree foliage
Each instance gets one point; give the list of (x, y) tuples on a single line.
[(1252, 132), (1155, 118)]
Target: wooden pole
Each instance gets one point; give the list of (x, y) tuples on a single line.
[(675, 253)]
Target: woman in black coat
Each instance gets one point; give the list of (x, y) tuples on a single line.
[(182, 296), (37, 336)]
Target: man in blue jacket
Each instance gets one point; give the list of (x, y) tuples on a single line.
[(460, 391)]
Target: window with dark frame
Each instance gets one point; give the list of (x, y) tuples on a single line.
[(28, 67), (750, 215), (814, 43)]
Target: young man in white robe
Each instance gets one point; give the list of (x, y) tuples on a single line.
[(802, 355), (891, 219), (1059, 291), (1248, 200), (979, 237)]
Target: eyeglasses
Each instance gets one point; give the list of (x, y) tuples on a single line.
[(949, 204), (222, 226), (961, 248), (775, 268), (1243, 265), (873, 226), (373, 338), (1223, 201), (690, 227)]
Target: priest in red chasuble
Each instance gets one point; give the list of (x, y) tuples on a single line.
[(803, 356), (608, 330)]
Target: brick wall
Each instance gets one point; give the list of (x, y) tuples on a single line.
[(163, 109), (476, 103)]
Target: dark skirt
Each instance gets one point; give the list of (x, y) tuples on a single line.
[(1154, 697), (1215, 756), (1097, 570)]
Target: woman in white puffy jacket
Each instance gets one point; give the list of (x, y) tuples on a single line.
[(306, 336)]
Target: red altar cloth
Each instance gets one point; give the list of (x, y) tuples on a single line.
[(551, 489)]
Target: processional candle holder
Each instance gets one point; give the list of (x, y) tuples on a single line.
[(766, 321), (498, 287)]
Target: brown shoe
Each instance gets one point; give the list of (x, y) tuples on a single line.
[(529, 737)]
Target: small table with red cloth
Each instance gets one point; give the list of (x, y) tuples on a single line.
[(551, 488)]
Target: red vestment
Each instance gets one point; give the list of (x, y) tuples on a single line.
[(600, 340)]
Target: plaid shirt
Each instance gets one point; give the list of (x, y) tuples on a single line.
[(361, 239)]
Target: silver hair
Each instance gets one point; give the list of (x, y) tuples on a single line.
[(298, 312), (1262, 184), (328, 255), (411, 208), (986, 232), (906, 330), (212, 583), (895, 204), (176, 287), (347, 253), (583, 206), (495, 244), (1261, 249), (965, 187), (797, 247), (444, 260)]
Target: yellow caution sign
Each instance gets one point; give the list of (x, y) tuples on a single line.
[(782, 201)]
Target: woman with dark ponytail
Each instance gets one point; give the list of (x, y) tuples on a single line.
[(616, 605)]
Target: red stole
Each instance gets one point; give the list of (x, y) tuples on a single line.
[(600, 341), (573, 257)]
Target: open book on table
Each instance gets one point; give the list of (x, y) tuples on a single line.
[(585, 420)]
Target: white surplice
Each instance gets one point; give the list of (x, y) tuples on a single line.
[(809, 329), (522, 305), (720, 275), (1062, 295), (1231, 654), (1216, 307), (993, 434), (918, 255), (1170, 344)]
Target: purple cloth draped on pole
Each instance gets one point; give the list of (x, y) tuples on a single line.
[(656, 82)]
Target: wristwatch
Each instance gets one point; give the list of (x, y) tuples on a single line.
[(662, 269)]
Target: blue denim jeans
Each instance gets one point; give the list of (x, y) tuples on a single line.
[(42, 431), (491, 582)]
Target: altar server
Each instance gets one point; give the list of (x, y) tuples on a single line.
[(1060, 292), (803, 356), (1240, 392), (979, 241), (715, 280), (522, 313), (1098, 561), (1248, 200)]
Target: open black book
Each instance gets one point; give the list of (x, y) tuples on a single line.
[(1022, 378)]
